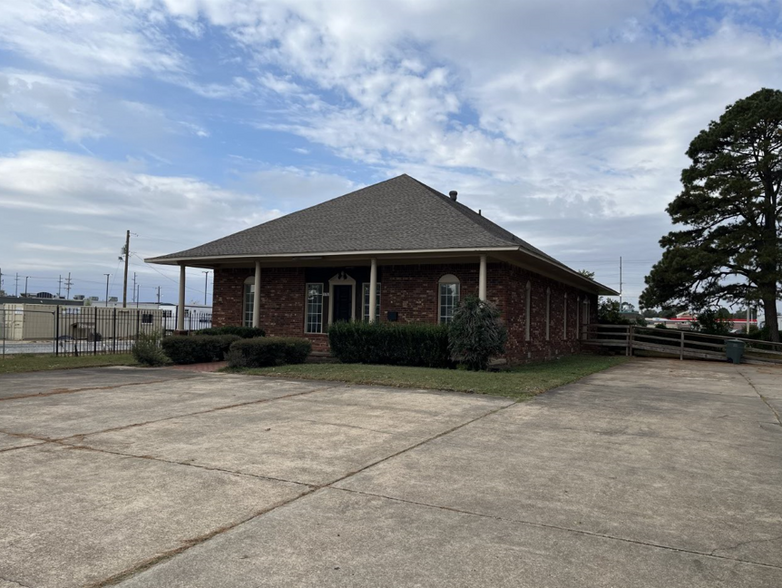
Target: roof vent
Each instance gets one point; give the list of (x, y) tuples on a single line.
[(453, 194)]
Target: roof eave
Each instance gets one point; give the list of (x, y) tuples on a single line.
[(195, 261)]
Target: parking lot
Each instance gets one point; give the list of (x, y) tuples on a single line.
[(654, 473)]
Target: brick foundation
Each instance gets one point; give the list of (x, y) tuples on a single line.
[(412, 292)]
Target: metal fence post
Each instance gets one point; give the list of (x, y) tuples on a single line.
[(114, 330), (681, 347), (57, 330), (95, 331)]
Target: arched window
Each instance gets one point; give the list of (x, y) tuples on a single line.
[(527, 311), (448, 297), (248, 299)]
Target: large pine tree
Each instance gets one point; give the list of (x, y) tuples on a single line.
[(728, 249)]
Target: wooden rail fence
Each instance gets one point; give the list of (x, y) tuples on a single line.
[(677, 343)]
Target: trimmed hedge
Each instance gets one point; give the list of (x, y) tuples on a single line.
[(243, 332), (183, 349), (413, 344), (268, 351)]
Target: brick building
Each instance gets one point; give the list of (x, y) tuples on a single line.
[(395, 251)]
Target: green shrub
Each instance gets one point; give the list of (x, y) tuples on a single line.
[(268, 351), (243, 332), (476, 333), (147, 351), (413, 344), (183, 349)]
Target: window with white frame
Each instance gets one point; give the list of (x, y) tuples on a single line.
[(448, 299), (248, 301), (365, 312), (314, 322)]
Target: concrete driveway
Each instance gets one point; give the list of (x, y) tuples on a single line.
[(655, 473)]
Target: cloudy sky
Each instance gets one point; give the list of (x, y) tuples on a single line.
[(566, 121)]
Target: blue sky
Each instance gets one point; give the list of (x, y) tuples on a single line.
[(185, 120)]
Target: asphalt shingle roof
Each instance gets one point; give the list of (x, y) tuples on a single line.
[(398, 214)]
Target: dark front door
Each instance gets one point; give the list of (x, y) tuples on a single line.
[(343, 301)]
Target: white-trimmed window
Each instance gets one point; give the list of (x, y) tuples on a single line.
[(248, 300), (314, 322), (448, 297), (365, 298)]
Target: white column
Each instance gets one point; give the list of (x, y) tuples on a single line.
[(482, 279), (180, 317), (257, 296), (372, 290)]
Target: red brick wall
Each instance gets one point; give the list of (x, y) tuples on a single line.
[(412, 291)]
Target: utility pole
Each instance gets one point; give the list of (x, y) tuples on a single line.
[(107, 288), (749, 316), (134, 287), (138, 291), (59, 286), (68, 287), (25, 286), (158, 294), (620, 284), (206, 284), (16, 285), (126, 251)]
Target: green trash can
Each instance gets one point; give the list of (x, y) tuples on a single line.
[(734, 349)]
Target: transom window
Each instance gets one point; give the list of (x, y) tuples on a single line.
[(365, 312), (314, 322), (449, 291), (248, 301)]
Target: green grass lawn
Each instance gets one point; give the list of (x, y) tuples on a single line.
[(519, 383), (14, 364)]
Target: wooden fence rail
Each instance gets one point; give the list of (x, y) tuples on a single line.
[(681, 344)]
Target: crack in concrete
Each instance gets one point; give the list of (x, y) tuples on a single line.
[(763, 398), (4, 579), (742, 544), (566, 529)]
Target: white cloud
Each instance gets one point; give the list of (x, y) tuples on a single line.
[(88, 38), (63, 104), (76, 209)]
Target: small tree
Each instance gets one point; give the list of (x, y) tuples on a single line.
[(714, 322), (476, 333)]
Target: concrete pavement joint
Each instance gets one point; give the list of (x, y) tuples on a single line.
[(141, 424), (89, 389), (67, 445), (570, 530), (188, 543), (166, 555)]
